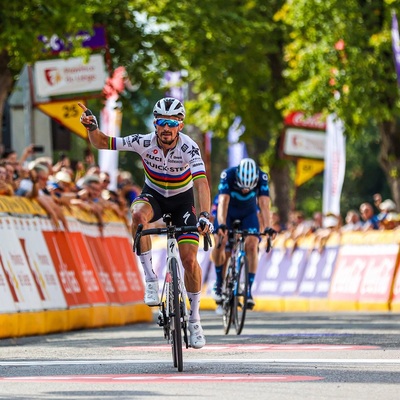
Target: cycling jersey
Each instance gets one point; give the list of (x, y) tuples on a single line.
[(238, 199), (168, 175), (242, 206)]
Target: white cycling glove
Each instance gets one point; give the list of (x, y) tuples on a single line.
[(205, 221)]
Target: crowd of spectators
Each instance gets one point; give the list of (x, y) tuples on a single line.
[(59, 184), (379, 216), (55, 185)]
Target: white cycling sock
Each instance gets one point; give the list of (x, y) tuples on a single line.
[(194, 300), (149, 274)]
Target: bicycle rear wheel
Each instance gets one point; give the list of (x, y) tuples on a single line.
[(227, 298), (175, 317), (240, 293)]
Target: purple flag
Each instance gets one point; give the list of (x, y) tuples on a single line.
[(396, 45)]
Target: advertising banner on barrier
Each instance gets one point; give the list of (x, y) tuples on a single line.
[(39, 262), (364, 273), (281, 274), (16, 269), (396, 288), (318, 273), (112, 263), (102, 269), (63, 259), (118, 242), (8, 294), (85, 264)]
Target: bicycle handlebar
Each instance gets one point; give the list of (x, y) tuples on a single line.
[(171, 229), (245, 233)]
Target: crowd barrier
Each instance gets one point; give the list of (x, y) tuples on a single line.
[(354, 271), (52, 280)]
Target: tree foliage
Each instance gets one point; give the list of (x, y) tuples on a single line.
[(340, 60), (250, 58)]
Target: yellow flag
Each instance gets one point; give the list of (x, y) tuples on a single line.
[(66, 113), (306, 169)]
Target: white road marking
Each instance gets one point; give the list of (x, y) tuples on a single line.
[(209, 361)]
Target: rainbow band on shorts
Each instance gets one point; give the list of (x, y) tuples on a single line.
[(190, 237)]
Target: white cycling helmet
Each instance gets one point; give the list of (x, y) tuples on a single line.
[(170, 107), (247, 174)]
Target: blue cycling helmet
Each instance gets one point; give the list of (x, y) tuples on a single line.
[(247, 174)]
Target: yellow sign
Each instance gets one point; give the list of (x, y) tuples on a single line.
[(66, 113), (306, 169)]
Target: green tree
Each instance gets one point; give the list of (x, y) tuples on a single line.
[(22, 21), (340, 60)]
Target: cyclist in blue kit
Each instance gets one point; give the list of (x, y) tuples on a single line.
[(243, 195)]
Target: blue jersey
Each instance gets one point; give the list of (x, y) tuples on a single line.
[(242, 206)]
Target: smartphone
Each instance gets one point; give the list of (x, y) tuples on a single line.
[(38, 149)]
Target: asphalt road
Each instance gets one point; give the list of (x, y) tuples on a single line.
[(277, 356)]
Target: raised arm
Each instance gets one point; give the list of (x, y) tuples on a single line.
[(97, 138)]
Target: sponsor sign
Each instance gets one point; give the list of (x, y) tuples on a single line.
[(95, 41), (281, 274), (112, 261), (298, 119), (66, 113), (7, 293), (68, 271), (304, 143), (105, 277), (39, 262), (84, 261), (16, 269), (318, 273), (364, 273), (73, 75), (306, 169)]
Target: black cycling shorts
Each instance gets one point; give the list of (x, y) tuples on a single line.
[(181, 207)]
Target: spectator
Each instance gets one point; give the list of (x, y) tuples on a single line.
[(276, 224), (5, 188), (391, 221), (39, 175), (129, 190), (377, 197), (353, 222), (93, 170), (330, 224), (371, 221), (318, 221)]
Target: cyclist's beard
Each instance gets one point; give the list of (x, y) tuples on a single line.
[(167, 140)]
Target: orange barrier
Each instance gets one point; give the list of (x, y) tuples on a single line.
[(53, 280)]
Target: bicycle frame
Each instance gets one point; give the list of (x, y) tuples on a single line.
[(173, 311), (236, 282)]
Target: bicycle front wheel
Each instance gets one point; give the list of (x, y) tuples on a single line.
[(240, 293), (175, 317), (227, 298)]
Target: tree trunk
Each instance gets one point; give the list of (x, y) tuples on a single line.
[(6, 81), (389, 157)]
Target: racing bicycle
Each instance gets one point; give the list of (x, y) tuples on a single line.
[(235, 288), (173, 312)]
